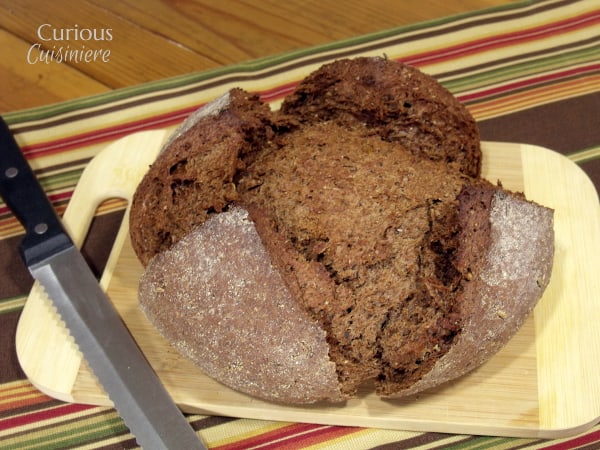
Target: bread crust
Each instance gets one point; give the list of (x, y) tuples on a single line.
[(218, 299)]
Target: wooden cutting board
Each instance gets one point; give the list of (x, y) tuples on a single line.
[(544, 383)]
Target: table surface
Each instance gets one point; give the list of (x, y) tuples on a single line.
[(154, 39), (529, 72)]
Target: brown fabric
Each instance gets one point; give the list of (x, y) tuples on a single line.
[(565, 126), (9, 368)]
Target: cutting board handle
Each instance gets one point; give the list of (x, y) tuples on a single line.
[(114, 173), (122, 165)]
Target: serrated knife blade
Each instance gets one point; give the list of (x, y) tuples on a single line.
[(108, 347)]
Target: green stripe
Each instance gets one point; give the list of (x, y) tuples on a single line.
[(483, 442), (61, 180), (12, 304), (525, 68), (585, 155), (70, 434)]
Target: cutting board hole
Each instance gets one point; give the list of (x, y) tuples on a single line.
[(101, 235)]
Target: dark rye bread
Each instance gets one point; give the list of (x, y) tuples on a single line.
[(323, 241), (397, 102)]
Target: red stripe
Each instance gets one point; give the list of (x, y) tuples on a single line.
[(496, 41), (20, 397), (54, 198), (69, 408), (268, 437), (23, 402), (529, 82), (106, 134), (278, 92), (285, 432), (576, 442), (312, 438)]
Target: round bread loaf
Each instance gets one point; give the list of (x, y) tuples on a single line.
[(297, 255)]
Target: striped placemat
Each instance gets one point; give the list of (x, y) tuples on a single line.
[(529, 72)]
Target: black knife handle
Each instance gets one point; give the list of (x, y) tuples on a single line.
[(22, 193)]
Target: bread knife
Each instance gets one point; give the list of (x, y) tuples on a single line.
[(110, 350)]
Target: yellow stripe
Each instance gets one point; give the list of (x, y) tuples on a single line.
[(586, 155), (535, 97), (106, 442), (10, 228), (370, 437), (490, 55), (111, 205), (239, 430), (367, 437), (15, 303), (23, 396), (19, 386), (16, 386), (560, 440)]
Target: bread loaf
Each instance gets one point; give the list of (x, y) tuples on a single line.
[(348, 238)]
